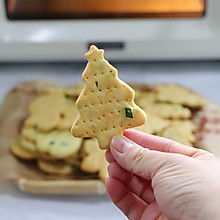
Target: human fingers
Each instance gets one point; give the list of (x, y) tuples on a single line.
[(139, 186), (153, 142), (141, 161), (109, 157), (131, 205)]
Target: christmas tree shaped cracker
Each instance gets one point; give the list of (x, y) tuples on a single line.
[(106, 104)]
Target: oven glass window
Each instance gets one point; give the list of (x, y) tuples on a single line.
[(73, 9)]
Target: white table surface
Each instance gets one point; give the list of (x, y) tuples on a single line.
[(202, 77)]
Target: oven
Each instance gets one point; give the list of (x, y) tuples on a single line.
[(54, 30)]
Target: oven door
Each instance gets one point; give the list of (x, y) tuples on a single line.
[(126, 33)]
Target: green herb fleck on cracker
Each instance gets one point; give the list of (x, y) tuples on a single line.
[(52, 143), (128, 112)]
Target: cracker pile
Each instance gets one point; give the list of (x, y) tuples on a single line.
[(49, 142), (46, 138), (169, 108)]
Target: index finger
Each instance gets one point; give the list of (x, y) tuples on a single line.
[(153, 142)]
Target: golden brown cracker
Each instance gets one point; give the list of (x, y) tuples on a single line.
[(74, 91), (181, 131), (45, 111), (154, 124), (177, 94), (146, 98), (58, 144), (74, 159), (176, 135), (106, 104), (46, 156), (54, 89), (68, 115), (20, 152), (59, 167), (94, 159), (148, 102), (28, 144), (172, 111), (187, 127)]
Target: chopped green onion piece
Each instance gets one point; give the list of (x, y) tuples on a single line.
[(96, 83), (128, 112), (52, 143)]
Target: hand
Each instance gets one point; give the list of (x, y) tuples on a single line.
[(155, 178)]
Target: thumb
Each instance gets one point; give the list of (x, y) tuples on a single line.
[(141, 161)]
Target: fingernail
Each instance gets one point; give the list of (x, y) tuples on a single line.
[(106, 180), (121, 143)]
